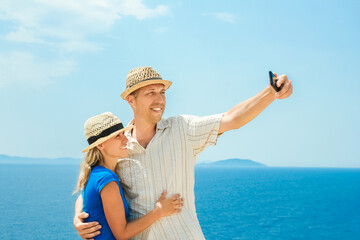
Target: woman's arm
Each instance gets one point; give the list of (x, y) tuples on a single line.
[(115, 212)]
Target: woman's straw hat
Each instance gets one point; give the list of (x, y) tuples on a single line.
[(102, 127), (141, 77)]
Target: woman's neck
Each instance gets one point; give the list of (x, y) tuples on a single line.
[(110, 163)]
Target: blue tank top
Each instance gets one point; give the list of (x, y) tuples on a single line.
[(92, 204)]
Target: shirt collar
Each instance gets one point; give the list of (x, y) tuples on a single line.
[(162, 124)]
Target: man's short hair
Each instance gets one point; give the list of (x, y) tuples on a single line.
[(135, 93)]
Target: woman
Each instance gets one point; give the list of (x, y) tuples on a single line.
[(103, 197)]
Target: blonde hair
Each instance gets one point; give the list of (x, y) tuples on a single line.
[(92, 158)]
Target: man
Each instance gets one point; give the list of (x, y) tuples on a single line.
[(165, 152)]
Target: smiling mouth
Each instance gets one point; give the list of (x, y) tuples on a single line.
[(157, 109)]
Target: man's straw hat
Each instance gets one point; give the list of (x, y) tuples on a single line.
[(141, 77), (102, 127)]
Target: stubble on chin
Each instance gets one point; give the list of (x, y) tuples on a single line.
[(156, 119)]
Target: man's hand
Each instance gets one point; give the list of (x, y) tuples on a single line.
[(86, 230), (287, 88), (247, 110)]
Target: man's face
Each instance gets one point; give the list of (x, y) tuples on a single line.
[(149, 104)]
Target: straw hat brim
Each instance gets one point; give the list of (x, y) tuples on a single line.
[(101, 140), (167, 84)]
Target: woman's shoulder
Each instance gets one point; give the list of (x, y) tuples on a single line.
[(101, 172), (101, 176)]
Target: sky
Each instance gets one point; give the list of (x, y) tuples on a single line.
[(63, 61)]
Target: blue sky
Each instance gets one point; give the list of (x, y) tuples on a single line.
[(64, 61)]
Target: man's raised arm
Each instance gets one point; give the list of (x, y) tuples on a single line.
[(85, 230), (247, 110)]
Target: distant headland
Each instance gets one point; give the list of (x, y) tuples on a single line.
[(231, 163), (5, 159), (228, 163)]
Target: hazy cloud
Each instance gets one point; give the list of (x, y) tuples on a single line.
[(137, 9), (67, 23), (25, 68), (160, 30), (223, 16)]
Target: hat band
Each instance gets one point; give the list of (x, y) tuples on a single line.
[(147, 79), (105, 133)]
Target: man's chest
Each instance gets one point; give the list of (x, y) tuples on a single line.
[(164, 164)]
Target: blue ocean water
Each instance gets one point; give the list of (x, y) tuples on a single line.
[(279, 203), (252, 203)]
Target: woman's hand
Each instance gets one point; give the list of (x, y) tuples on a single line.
[(169, 206), (115, 213)]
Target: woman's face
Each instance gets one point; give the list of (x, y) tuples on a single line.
[(116, 146)]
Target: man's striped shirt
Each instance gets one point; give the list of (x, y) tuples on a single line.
[(167, 163)]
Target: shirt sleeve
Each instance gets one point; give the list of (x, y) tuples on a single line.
[(103, 180), (202, 131)]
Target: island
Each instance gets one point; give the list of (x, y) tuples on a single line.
[(228, 163), (231, 163)]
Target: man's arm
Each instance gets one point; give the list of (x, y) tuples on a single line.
[(85, 230), (246, 111)]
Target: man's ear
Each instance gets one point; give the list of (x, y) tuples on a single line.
[(131, 100)]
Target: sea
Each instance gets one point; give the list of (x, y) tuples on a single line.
[(36, 202)]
